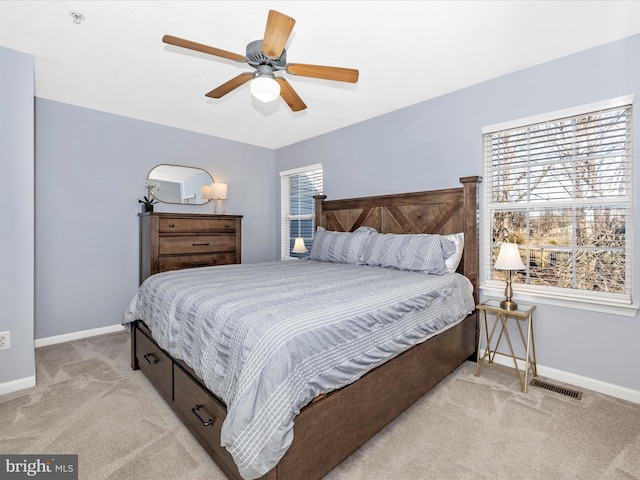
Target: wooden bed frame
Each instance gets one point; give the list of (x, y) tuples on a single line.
[(333, 426)]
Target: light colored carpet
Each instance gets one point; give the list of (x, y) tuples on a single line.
[(89, 402)]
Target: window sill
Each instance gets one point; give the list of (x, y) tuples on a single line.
[(605, 303)]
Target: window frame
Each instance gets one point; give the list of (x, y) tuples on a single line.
[(286, 217), (615, 303)]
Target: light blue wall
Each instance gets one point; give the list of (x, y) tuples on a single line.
[(16, 201), (91, 168), (432, 144)]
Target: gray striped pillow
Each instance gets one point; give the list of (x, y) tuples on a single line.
[(421, 253), (340, 247)]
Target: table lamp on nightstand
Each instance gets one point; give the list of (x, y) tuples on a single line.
[(299, 247), (509, 259)]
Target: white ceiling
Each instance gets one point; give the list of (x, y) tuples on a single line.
[(407, 52)]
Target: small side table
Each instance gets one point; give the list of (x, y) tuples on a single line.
[(523, 313)]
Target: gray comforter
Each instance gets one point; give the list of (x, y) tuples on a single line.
[(268, 338)]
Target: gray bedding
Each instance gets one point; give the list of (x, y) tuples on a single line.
[(268, 338)]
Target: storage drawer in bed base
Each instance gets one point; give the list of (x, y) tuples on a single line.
[(200, 411), (155, 363), (328, 430), (203, 415)]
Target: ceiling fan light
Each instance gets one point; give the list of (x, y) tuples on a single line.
[(265, 88)]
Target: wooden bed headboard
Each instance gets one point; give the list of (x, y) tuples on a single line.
[(443, 212)]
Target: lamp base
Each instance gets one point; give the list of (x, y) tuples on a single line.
[(219, 208), (508, 305)]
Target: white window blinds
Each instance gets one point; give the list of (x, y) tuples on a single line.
[(298, 188), (561, 190)]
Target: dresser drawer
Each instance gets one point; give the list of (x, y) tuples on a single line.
[(173, 241), (203, 415), (196, 225), (197, 244), (155, 364), (178, 262)]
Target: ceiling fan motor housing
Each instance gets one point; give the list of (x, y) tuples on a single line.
[(256, 57)]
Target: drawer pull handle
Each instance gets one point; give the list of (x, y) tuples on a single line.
[(205, 423), (171, 225), (200, 244), (200, 264), (227, 226), (151, 358)]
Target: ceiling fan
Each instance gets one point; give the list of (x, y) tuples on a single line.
[(268, 56)]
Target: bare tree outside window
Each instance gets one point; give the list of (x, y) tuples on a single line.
[(561, 190)]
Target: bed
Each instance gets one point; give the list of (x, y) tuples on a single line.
[(340, 409)]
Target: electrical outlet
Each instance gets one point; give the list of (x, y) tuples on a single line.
[(4, 340)]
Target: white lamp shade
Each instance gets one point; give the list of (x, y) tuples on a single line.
[(219, 191), (264, 88), (299, 247), (509, 258), (205, 192)]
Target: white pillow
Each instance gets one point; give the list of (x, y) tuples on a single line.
[(453, 261)]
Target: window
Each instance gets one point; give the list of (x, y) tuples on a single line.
[(561, 189), (298, 210)]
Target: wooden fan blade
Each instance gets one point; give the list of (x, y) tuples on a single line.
[(338, 74), (276, 33), (181, 42), (290, 96), (232, 84)]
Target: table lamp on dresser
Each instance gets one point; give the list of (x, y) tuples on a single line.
[(216, 191)]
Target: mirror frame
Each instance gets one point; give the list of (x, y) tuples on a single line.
[(180, 181)]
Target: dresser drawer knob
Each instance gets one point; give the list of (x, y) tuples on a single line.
[(205, 423), (151, 358), (227, 226), (171, 225)]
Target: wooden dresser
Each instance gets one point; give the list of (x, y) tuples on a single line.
[(173, 241)]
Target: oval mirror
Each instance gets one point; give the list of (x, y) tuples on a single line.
[(178, 184)]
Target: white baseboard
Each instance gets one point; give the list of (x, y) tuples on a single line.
[(15, 385), (577, 380), (67, 337)]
